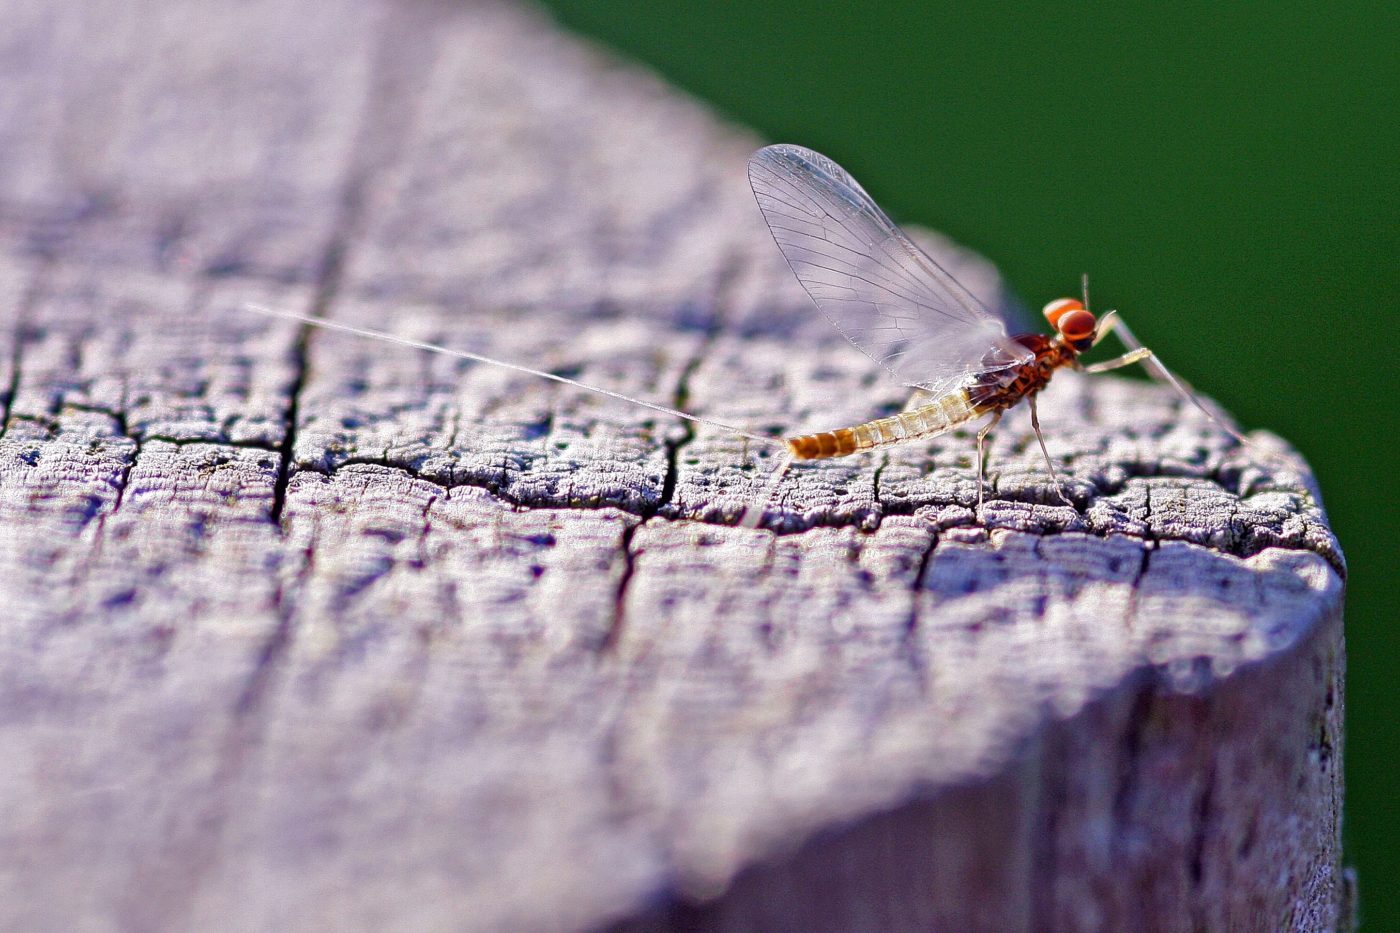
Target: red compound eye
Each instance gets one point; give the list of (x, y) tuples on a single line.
[(1076, 324), (1060, 307)]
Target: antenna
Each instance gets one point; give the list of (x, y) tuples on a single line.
[(1084, 286)]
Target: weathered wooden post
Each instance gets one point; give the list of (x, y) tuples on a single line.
[(305, 632)]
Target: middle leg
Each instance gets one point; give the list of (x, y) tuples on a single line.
[(982, 456)]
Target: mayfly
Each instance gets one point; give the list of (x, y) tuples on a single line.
[(900, 308), (904, 311)]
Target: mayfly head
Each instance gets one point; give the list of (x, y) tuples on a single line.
[(1074, 323)]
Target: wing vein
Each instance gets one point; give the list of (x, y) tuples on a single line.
[(884, 294)]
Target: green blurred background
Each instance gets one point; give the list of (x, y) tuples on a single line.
[(1225, 172)]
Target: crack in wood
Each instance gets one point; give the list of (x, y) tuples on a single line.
[(288, 444), (910, 641), (29, 300), (1237, 546), (613, 633), (1204, 817)]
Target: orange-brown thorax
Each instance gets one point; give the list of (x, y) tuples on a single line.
[(999, 390), (1075, 329)]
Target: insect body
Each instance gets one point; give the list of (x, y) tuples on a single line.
[(991, 391), (988, 393)]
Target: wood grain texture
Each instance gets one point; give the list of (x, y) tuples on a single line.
[(307, 632)]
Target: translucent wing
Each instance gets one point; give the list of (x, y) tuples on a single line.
[(880, 290)]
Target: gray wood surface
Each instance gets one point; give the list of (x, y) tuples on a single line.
[(307, 632)]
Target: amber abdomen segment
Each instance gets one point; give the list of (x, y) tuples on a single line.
[(929, 420)]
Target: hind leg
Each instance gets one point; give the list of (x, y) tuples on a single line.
[(752, 515), (1137, 353)]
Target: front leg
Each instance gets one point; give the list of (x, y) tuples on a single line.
[(1118, 362), (1137, 353)]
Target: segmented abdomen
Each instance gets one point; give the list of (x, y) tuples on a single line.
[(929, 420)]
